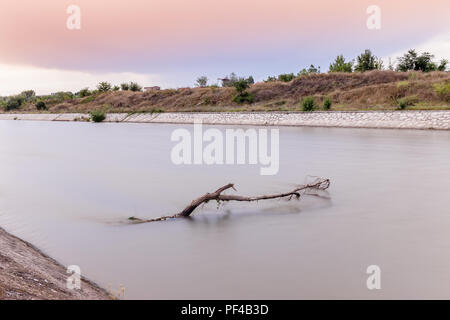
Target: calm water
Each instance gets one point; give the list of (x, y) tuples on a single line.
[(68, 187)]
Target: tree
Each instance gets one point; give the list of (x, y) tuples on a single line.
[(84, 92), (367, 61), (125, 86), (311, 70), (423, 62), (40, 105), (135, 87), (14, 103), (29, 95), (201, 81), (242, 95), (339, 65), (104, 86), (309, 104), (390, 65), (443, 65), (233, 78), (286, 77), (271, 79), (116, 88)]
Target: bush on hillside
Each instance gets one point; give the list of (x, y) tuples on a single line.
[(340, 65), (104, 86), (135, 87), (201, 81), (309, 104), (97, 115), (366, 61), (423, 62), (14, 103), (40, 105), (443, 90), (29, 95), (327, 104), (84, 93)]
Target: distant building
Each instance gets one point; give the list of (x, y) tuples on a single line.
[(155, 88), (225, 81)]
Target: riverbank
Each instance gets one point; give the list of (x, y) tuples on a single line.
[(430, 119), (28, 274)]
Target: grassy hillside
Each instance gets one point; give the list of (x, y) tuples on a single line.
[(374, 90)]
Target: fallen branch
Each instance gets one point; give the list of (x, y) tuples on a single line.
[(318, 184)]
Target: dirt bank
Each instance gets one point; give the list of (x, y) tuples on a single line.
[(374, 90), (26, 273)]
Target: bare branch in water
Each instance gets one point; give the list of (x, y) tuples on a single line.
[(318, 184)]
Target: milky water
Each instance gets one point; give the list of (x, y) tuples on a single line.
[(69, 187)]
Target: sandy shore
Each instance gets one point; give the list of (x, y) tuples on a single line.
[(26, 273), (408, 119)]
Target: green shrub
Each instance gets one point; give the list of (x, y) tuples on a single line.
[(309, 104), (201, 81), (104, 86), (271, 79), (308, 71), (366, 61), (405, 102), (402, 84), (29, 95), (14, 103), (88, 99), (116, 88), (402, 104), (135, 87), (84, 93), (40, 105), (443, 90), (125, 86), (420, 62), (340, 65), (232, 79), (244, 97), (327, 103), (97, 115), (61, 96), (286, 77), (241, 85)]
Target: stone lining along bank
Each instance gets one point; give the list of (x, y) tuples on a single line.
[(438, 120)]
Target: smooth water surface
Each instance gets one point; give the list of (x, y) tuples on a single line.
[(69, 187)]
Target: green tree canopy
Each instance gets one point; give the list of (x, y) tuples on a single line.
[(366, 61), (340, 65)]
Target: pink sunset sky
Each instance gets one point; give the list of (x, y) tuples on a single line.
[(172, 42)]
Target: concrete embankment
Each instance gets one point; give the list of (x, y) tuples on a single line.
[(435, 119)]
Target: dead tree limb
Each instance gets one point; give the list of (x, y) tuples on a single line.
[(318, 184)]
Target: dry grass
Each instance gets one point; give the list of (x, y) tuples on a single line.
[(373, 90)]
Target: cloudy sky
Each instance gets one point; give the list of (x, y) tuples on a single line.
[(171, 42)]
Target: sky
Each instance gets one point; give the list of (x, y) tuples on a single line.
[(170, 43)]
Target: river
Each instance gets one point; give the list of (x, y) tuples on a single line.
[(69, 188)]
